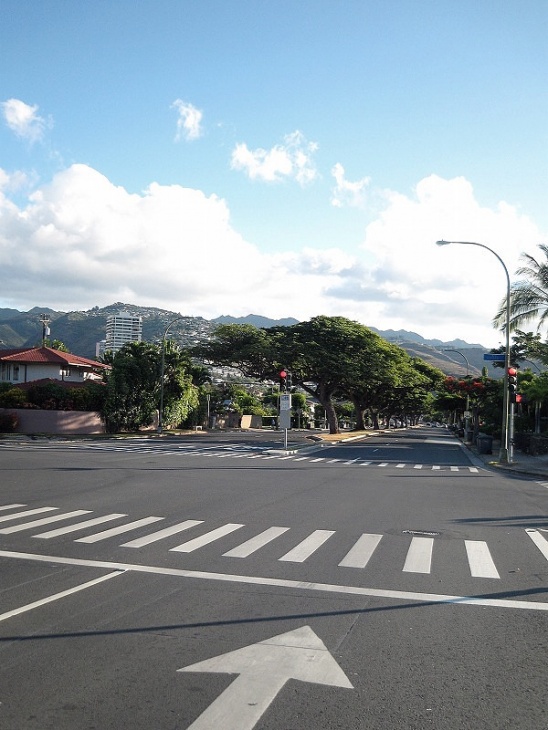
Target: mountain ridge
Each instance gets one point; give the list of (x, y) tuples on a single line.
[(80, 330)]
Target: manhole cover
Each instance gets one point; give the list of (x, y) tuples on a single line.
[(424, 533)]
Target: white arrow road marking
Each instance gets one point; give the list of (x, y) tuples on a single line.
[(263, 670)]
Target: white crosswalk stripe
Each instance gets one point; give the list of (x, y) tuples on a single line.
[(481, 562), (419, 555), (307, 547), (44, 521), (255, 543), (78, 526), (416, 558), (360, 554), (209, 537), (118, 530), (161, 534)]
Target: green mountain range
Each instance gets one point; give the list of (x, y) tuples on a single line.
[(81, 331)]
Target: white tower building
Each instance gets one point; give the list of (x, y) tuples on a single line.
[(122, 328)]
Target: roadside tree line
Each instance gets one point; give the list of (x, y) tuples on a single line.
[(330, 358)]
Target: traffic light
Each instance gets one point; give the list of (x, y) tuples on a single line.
[(512, 384), (283, 381)]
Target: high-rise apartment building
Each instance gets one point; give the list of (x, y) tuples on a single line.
[(122, 328)]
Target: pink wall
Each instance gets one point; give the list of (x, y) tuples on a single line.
[(38, 421)]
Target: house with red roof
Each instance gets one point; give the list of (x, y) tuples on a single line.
[(24, 368), (44, 363)]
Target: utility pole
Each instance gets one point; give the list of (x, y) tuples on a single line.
[(45, 320)]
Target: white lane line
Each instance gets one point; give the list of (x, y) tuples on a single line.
[(321, 458), (539, 541), (298, 585), (384, 463), (309, 545), (166, 532), (58, 596), (118, 530), (302, 458), (453, 468), (417, 466), (250, 546), (333, 461), (365, 463), (11, 506), (45, 521), (27, 513), (360, 554), (473, 469), (436, 468), (419, 555), (400, 466), (480, 560), (352, 461), (198, 542), (78, 526)]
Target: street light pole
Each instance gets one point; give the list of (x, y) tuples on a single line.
[(505, 454), (467, 414), (162, 371)]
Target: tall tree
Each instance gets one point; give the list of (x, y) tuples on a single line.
[(133, 387), (528, 296)]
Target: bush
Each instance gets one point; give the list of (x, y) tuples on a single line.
[(8, 422), (13, 398)]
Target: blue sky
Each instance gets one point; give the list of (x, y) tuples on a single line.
[(280, 158)]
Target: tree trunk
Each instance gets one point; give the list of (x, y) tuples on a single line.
[(332, 419), (360, 414)]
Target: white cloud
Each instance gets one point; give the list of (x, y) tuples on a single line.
[(189, 121), (419, 286), (23, 120), (81, 241), (346, 192), (292, 159)]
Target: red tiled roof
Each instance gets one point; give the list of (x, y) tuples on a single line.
[(48, 355)]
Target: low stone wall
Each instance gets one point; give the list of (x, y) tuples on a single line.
[(32, 421), (251, 422)]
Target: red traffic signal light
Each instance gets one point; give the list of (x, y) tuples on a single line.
[(283, 374), (283, 380), (512, 383)]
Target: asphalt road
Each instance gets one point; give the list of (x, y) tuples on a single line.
[(218, 582)]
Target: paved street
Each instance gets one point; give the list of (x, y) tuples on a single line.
[(394, 582)]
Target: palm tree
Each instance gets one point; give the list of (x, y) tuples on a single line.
[(529, 296)]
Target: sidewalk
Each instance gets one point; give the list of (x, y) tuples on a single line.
[(521, 464)]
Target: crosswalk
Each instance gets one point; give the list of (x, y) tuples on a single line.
[(417, 548), (255, 454)]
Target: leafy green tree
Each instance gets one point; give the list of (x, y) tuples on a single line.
[(242, 346), (328, 357), (534, 389), (132, 387), (56, 345), (181, 395), (528, 296), (134, 382)]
